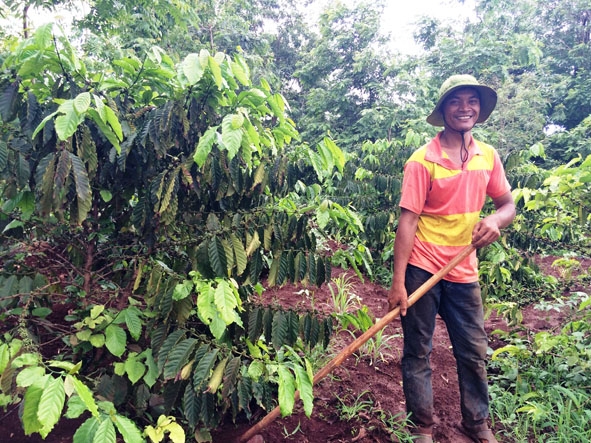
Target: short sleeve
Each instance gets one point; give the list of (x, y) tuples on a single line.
[(416, 183)]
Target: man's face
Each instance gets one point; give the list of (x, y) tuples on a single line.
[(461, 109)]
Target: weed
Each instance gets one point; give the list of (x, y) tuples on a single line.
[(309, 297), (508, 310), (396, 425), (566, 267), (540, 386), (350, 406), (288, 434), (378, 347), (343, 299), (557, 304), (362, 406)]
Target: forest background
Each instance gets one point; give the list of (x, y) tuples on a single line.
[(163, 164)]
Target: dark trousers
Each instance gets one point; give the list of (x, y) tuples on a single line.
[(460, 306)]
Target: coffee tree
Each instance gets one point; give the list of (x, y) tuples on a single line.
[(151, 199)]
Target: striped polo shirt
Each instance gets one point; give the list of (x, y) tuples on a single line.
[(449, 199)]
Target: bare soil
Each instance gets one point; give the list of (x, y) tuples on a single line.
[(379, 383), (359, 380)]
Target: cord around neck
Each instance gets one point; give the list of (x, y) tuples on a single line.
[(463, 148)]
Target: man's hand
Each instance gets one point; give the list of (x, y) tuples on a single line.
[(485, 232), (488, 230), (397, 296)]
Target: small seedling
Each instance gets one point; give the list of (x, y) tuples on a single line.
[(343, 299)]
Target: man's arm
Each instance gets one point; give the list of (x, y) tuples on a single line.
[(403, 244), (488, 230)]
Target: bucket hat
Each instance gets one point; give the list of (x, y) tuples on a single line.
[(488, 97)]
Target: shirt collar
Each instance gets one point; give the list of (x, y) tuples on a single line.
[(436, 155)]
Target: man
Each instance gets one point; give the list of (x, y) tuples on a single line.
[(445, 186)]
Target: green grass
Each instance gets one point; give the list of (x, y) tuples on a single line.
[(541, 383)]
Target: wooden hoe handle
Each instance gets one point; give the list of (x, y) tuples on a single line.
[(360, 341)]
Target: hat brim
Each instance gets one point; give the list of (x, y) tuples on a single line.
[(488, 101)]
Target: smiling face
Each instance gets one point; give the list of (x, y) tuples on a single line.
[(461, 109)]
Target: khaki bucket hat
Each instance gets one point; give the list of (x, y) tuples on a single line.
[(488, 97)]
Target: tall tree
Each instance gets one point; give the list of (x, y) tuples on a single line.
[(23, 8), (342, 74)]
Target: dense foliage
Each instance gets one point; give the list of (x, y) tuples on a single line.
[(165, 162)]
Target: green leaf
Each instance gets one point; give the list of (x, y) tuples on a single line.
[(41, 312), (152, 373), (171, 340), (113, 121), (96, 340), (255, 325), (217, 257), (82, 102), (29, 375), (156, 435), (205, 303), (3, 154), (31, 401), (4, 356), (128, 429), (239, 254), (231, 374), (304, 385), (286, 390), (217, 326), (13, 225), (105, 433), (116, 340), (85, 395), (204, 146), (226, 301), (256, 369), (68, 121), (216, 71), (191, 406), (182, 290), (279, 329), (51, 405), (318, 165), (105, 129), (178, 357), (43, 36), (203, 368), (135, 369), (75, 407), (27, 359), (83, 190), (338, 157), (176, 433), (133, 322), (240, 73), (119, 369), (43, 123), (100, 108), (273, 271), (277, 105), (191, 67), (232, 134), (96, 310), (8, 102), (86, 432)]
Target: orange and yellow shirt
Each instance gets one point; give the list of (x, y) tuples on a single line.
[(448, 199)]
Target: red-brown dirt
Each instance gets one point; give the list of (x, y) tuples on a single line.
[(375, 384), (379, 384)]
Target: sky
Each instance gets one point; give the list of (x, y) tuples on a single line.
[(399, 18)]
